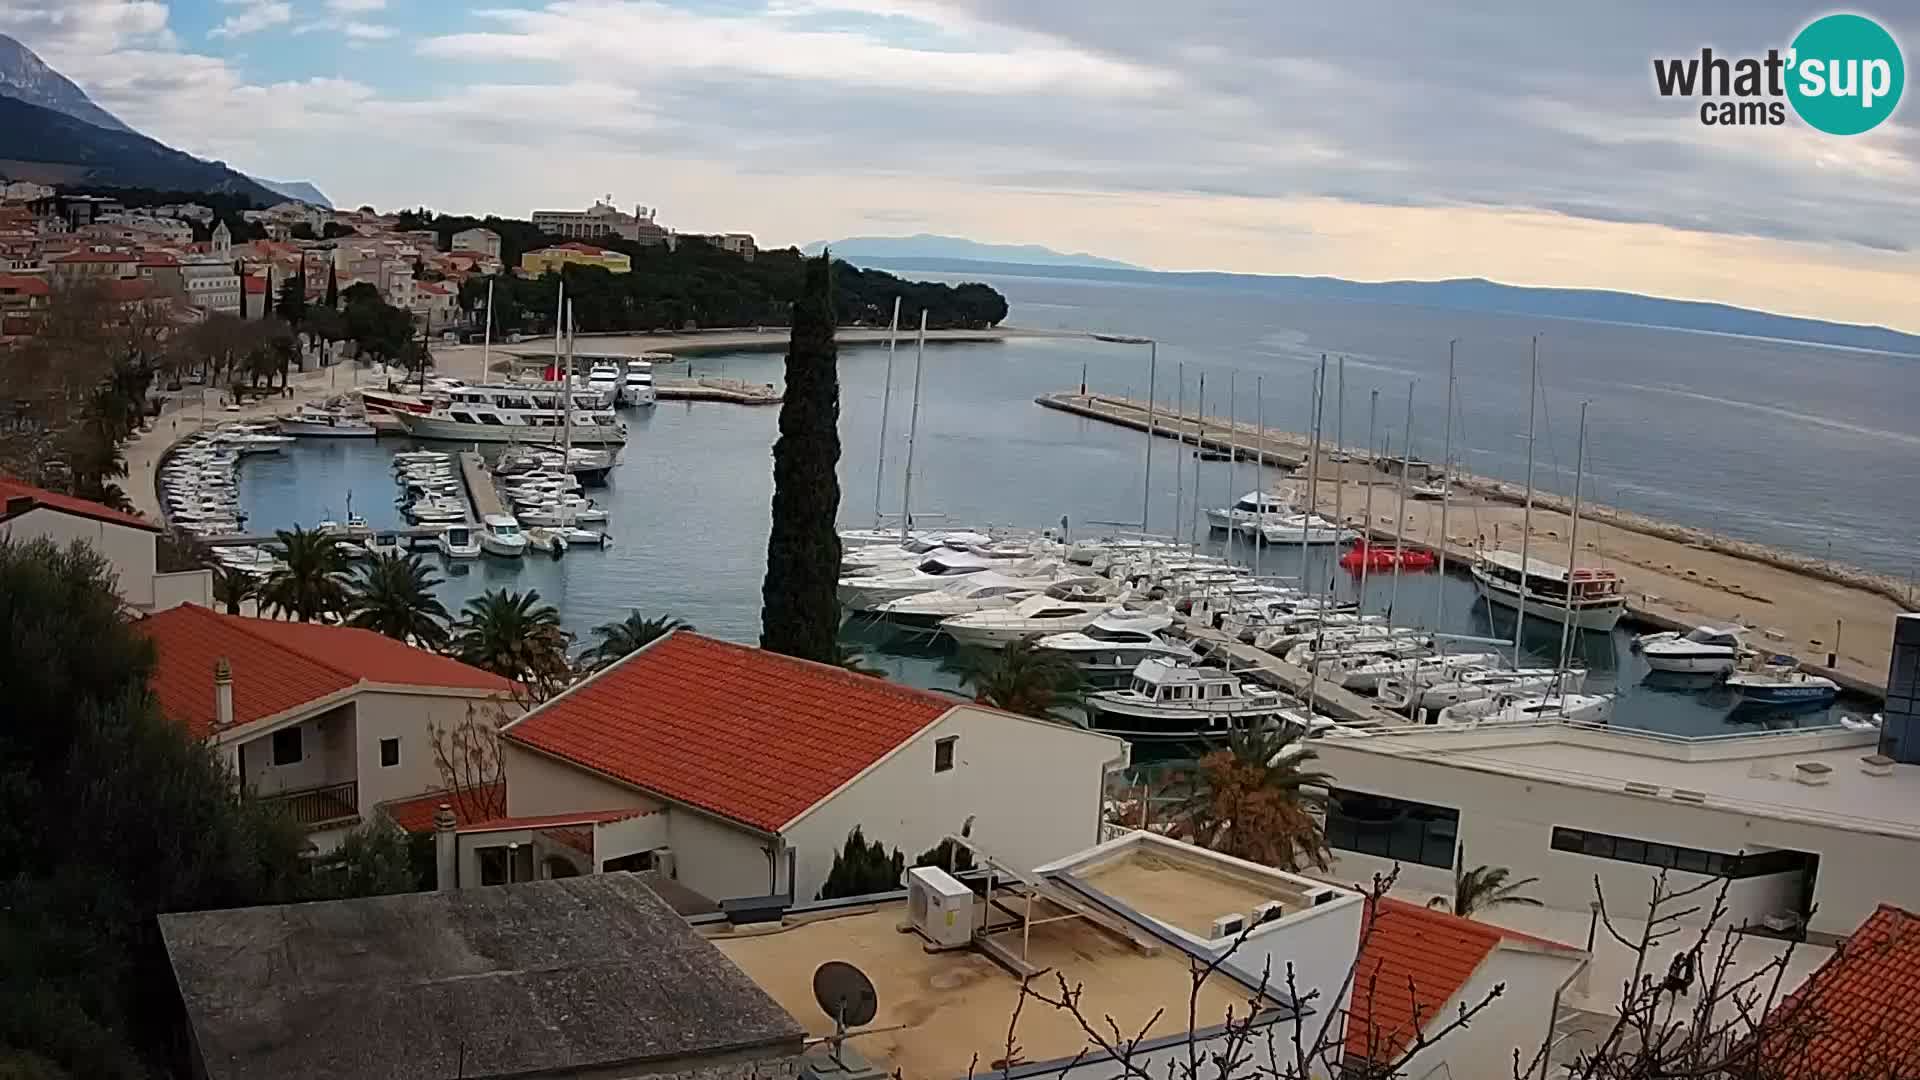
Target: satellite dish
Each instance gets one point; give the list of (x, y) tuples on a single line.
[(845, 994)]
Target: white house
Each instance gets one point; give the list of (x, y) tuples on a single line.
[(750, 768), (127, 541), (479, 241), (331, 720), (212, 285)]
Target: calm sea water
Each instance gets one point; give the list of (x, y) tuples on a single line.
[(1782, 443)]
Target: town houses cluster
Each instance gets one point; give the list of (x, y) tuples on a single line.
[(183, 259)]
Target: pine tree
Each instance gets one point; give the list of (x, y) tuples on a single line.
[(800, 612), (266, 298), (333, 289)]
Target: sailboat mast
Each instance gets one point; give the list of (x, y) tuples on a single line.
[(1526, 516), (1180, 440), (1366, 530), (1573, 553), (486, 335), (1340, 472), (1313, 461), (559, 324), (1193, 512), (1233, 467), (1446, 485), (1259, 471), (1146, 472), (913, 428), (1400, 510), (886, 402)]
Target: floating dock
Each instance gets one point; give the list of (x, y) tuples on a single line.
[(483, 497), (731, 391)]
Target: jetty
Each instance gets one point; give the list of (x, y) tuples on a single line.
[(483, 497), (732, 391), (1836, 621), (1329, 697)]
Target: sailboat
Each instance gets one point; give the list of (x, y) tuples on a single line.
[(568, 532)]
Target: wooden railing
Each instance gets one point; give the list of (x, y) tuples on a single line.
[(316, 806)]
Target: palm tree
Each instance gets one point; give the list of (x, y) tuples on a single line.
[(231, 588), (629, 635), (313, 583), (1255, 799), (515, 635), (1483, 887), (1029, 681), (394, 595)]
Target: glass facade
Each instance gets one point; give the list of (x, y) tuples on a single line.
[(1675, 857), (1392, 828)]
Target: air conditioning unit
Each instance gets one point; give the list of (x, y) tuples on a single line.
[(1228, 926), (939, 908), (663, 862), (1268, 912)]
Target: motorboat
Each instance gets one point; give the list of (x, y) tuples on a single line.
[(381, 543), (1781, 685), (500, 535), (1529, 709), (1310, 529), (1365, 556), (971, 592), (1368, 676), (603, 378), (1425, 691), (1334, 639), (553, 514), (529, 413), (458, 542), (1054, 611), (1335, 661), (1598, 596), (869, 591), (1430, 490), (312, 422), (636, 386), (437, 511), (1701, 650), (1279, 631), (253, 442), (1174, 700), (1114, 643), (578, 537), (1247, 512), (550, 541)]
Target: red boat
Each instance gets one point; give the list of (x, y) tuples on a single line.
[(1367, 556)]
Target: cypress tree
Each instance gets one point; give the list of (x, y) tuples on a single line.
[(800, 611), (333, 289), (266, 297)]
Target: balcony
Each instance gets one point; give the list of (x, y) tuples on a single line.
[(319, 807)]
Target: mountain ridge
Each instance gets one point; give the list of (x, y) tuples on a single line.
[(931, 246), (53, 147), (1479, 295), (26, 77)]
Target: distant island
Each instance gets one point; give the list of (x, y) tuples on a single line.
[(864, 249), (1464, 294)]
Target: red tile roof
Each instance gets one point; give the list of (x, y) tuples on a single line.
[(24, 285), (11, 489), (415, 815), (548, 821), (749, 735), (96, 257), (1856, 1015), (1437, 951), (282, 665)]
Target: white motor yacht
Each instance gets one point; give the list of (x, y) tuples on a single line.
[(1599, 596), (1422, 691), (636, 386), (1369, 676), (1529, 709), (381, 543), (1703, 649), (1114, 643), (437, 511), (1781, 686), (1310, 529), (864, 592), (528, 413), (1172, 700), (314, 422), (1248, 512), (1057, 610), (984, 591), (549, 541), (458, 542), (500, 535)]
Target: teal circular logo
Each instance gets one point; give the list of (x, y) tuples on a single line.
[(1846, 74)]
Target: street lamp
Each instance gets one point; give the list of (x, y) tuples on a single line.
[(1153, 361)]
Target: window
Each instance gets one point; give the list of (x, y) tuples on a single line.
[(1674, 857), (639, 860), (504, 864), (943, 753), (1390, 828), (389, 753), (286, 747)]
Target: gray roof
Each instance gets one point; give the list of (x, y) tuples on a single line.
[(490, 982)]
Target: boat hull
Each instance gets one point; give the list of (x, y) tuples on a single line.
[(1794, 695), (1689, 663), (429, 427), (302, 430), (1602, 617), (998, 637), (1183, 727), (506, 549)]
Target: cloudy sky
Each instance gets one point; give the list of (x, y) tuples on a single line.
[(1370, 139)]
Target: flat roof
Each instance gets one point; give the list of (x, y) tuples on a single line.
[(1747, 774), (538, 978), (1182, 893), (940, 1009)]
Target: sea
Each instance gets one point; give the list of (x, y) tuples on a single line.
[(1800, 446)]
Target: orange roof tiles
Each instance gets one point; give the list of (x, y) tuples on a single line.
[(749, 735), (1437, 951), (282, 665), (11, 489), (24, 285), (548, 821), (415, 815), (1856, 1016)]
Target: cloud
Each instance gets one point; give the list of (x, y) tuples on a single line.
[(355, 7), (253, 17), (364, 31)]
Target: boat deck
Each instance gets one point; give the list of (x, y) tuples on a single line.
[(1329, 697)]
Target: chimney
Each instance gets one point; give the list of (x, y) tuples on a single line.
[(446, 849), (222, 695)]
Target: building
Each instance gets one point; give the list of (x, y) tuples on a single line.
[(1856, 1016), (329, 720), (24, 292), (98, 262), (588, 978), (669, 730), (212, 286), (25, 191), (1804, 821), (1419, 968), (546, 260), (436, 304), (1127, 920), (601, 219), (152, 227), (738, 243), (127, 541), (481, 241)]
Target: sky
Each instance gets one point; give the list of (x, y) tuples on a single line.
[(1366, 139)]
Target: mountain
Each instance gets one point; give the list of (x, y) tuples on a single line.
[(26, 77), (51, 147), (1469, 294), (925, 246), (296, 189)]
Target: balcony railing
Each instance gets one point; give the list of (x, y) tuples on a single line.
[(317, 806)]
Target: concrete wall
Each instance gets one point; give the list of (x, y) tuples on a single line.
[(1319, 944), (1033, 789), (182, 587), (615, 839), (544, 845), (327, 756), (1521, 1018), (539, 785), (130, 550), (719, 860), (1508, 821), (384, 714)]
